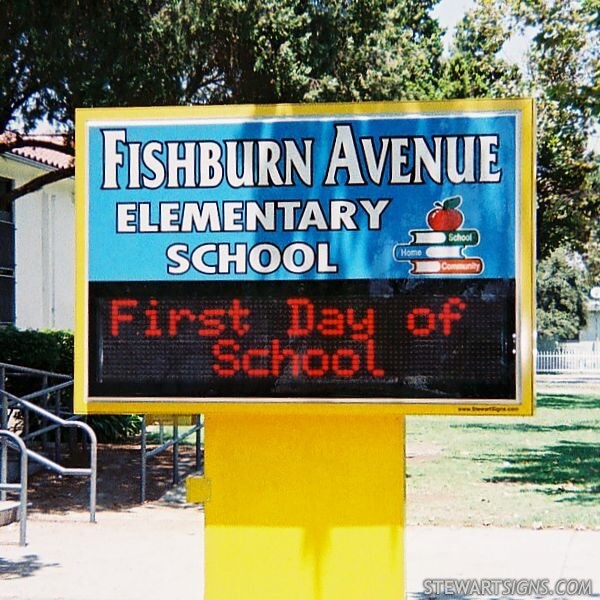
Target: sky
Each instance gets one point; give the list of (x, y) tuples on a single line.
[(450, 12)]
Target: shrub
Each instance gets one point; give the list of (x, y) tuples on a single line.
[(53, 351), (115, 428), (45, 350), (561, 296)]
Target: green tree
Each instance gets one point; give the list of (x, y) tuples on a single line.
[(564, 79), (561, 296), (562, 75), (62, 55), (374, 50), (476, 67), (591, 252), (75, 54), (326, 50), (261, 51)]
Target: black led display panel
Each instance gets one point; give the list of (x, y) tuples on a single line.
[(354, 339)]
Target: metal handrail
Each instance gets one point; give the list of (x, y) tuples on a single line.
[(92, 471), (31, 371), (48, 390), (174, 442), (48, 428), (21, 487), (44, 392)]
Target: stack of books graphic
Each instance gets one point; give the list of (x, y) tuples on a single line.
[(440, 252)]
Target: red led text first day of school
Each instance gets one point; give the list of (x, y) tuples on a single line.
[(230, 325)]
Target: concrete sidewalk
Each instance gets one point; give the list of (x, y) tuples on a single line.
[(495, 553), (146, 553), (155, 552)]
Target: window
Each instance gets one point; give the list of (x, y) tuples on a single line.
[(7, 256)]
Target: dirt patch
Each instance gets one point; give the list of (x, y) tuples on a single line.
[(118, 484)]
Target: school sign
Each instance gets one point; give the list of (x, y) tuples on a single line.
[(357, 254)]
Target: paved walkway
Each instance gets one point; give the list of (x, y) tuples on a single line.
[(155, 552), (147, 553), (495, 553)]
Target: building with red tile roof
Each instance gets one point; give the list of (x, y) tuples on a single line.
[(43, 155), (37, 234)]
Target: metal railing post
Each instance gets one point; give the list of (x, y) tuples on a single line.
[(3, 425), (57, 437), (23, 498), (143, 451), (176, 451), (45, 399), (174, 442), (93, 477), (22, 485), (198, 441)]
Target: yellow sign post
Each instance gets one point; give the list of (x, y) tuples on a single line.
[(305, 276), (303, 506)]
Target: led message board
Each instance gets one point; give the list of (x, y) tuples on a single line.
[(365, 254)]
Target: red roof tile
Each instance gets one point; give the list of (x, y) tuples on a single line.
[(44, 156)]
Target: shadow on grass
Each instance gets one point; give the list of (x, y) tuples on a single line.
[(560, 401), (528, 428), (568, 470)]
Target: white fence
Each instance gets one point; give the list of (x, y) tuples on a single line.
[(569, 361)]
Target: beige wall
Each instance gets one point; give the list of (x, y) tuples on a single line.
[(44, 249)]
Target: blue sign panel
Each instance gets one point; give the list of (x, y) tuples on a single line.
[(354, 253), (310, 197)]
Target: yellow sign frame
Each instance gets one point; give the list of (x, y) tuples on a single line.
[(525, 276)]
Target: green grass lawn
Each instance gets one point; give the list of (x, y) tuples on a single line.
[(540, 471)]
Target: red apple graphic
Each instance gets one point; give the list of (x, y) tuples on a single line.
[(445, 216)]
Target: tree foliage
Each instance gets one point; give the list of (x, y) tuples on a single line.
[(108, 53), (166, 52), (56, 56), (476, 67), (63, 55), (561, 296), (374, 50), (592, 248), (564, 79)]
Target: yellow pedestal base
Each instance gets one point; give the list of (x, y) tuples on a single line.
[(304, 507)]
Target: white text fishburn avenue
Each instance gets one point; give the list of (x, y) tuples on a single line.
[(267, 163)]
